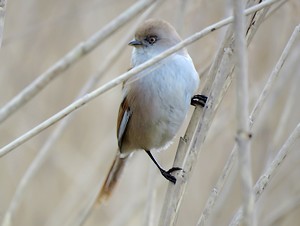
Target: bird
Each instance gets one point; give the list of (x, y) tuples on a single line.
[(155, 102)]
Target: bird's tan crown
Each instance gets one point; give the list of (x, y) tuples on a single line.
[(159, 28)]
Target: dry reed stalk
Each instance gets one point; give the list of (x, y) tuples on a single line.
[(243, 135), (284, 118), (269, 173), (2, 16)]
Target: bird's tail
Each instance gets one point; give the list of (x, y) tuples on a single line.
[(112, 177)]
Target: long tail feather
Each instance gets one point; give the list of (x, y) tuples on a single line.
[(112, 178)]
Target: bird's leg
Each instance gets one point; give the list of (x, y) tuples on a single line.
[(166, 174), (199, 100)]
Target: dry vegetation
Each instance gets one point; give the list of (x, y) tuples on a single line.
[(53, 178)]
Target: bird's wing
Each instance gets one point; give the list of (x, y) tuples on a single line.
[(123, 119)]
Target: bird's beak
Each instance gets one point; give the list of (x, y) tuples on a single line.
[(135, 43)]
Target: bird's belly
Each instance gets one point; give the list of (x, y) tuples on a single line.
[(157, 123)]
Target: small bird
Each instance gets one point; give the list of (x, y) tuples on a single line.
[(156, 101)]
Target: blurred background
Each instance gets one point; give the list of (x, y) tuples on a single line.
[(37, 33)]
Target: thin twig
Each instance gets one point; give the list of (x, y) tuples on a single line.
[(266, 177), (242, 111), (92, 95), (94, 78), (213, 198), (255, 22), (274, 73), (70, 58), (2, 16), (284, 117)]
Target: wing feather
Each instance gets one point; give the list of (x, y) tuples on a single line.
[(123, 119)]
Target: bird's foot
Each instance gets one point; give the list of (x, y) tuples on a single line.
[(168, 176), (199, 100)]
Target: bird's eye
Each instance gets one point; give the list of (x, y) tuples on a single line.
[(151, 39)]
